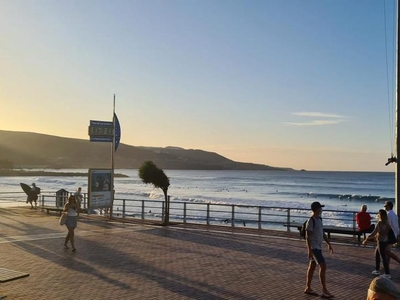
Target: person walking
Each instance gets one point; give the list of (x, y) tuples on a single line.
[(394, 223), (314, 237), (392, 217), (33, 195), (71, 208), (381, 230), (78, 196)]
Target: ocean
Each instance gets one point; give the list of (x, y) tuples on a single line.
[(345, 191)]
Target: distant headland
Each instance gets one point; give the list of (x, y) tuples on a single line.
[(5, 173), (24, 150)]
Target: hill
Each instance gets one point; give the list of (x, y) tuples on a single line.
[(33, 150)]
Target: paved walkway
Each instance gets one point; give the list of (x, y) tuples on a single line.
[(118, 260)]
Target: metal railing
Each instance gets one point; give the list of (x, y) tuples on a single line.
[(261, 217), (46, 198), (60, 200)]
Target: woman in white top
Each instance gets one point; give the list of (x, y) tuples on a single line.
[(71, 208)]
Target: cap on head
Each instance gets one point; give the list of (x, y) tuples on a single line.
[(316, 205), (388, 204), (33, 184), (385, 286)]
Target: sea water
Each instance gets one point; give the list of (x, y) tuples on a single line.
[(295, 189)]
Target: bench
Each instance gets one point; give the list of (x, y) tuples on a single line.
[(331, 229), (58, 209), (52, 208)]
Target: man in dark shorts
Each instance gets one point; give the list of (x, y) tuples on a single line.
[(314, 237)]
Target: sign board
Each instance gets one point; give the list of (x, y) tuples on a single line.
[(101, 139), (101, 131), (100, 188)]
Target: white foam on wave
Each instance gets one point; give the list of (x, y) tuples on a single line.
[(248, 188)]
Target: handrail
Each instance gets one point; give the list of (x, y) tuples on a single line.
[(229, 214), (260, 217)]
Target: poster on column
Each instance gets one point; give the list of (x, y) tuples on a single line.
[(100, 188)]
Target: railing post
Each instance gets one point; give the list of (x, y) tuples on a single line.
[(208, 213), (354, 221), (142, 209), (42, 202), (162, 211), (288, 219), (259, 218), (184, 212), (233, 216), (123, 208)]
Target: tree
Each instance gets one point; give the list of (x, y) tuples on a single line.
[(149, 173)]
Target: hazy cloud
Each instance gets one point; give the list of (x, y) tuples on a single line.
[(331, 119), (317, 114), (316, 123)]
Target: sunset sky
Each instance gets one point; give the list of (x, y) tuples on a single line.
[(304, 84)]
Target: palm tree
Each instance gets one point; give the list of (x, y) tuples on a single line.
[(149, 173)]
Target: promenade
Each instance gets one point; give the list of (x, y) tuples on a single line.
[(117, 260)]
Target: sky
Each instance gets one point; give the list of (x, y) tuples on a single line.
[(300, 84)]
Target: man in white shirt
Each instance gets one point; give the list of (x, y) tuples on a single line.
[(394, 223), (78, 196), (392, 217)]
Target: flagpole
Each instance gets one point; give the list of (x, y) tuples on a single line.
[(112, 161)]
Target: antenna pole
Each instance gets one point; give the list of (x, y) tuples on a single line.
[(397, 128)]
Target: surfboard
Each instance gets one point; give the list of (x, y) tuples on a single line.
[(26, 188)]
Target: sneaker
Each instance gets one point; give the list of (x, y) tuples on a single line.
[(387, 276), (376, 272)]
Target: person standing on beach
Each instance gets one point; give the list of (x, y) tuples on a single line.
[(71, 208), (380, 234), (394, 223), (314, 237)]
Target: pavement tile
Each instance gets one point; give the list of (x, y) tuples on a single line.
[(136, 260)]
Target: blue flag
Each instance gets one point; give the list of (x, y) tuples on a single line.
[(117, 131)]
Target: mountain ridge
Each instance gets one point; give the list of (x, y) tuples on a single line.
[(37, 150)]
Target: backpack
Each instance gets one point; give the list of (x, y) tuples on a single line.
[(392, 237), (303, 228)]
